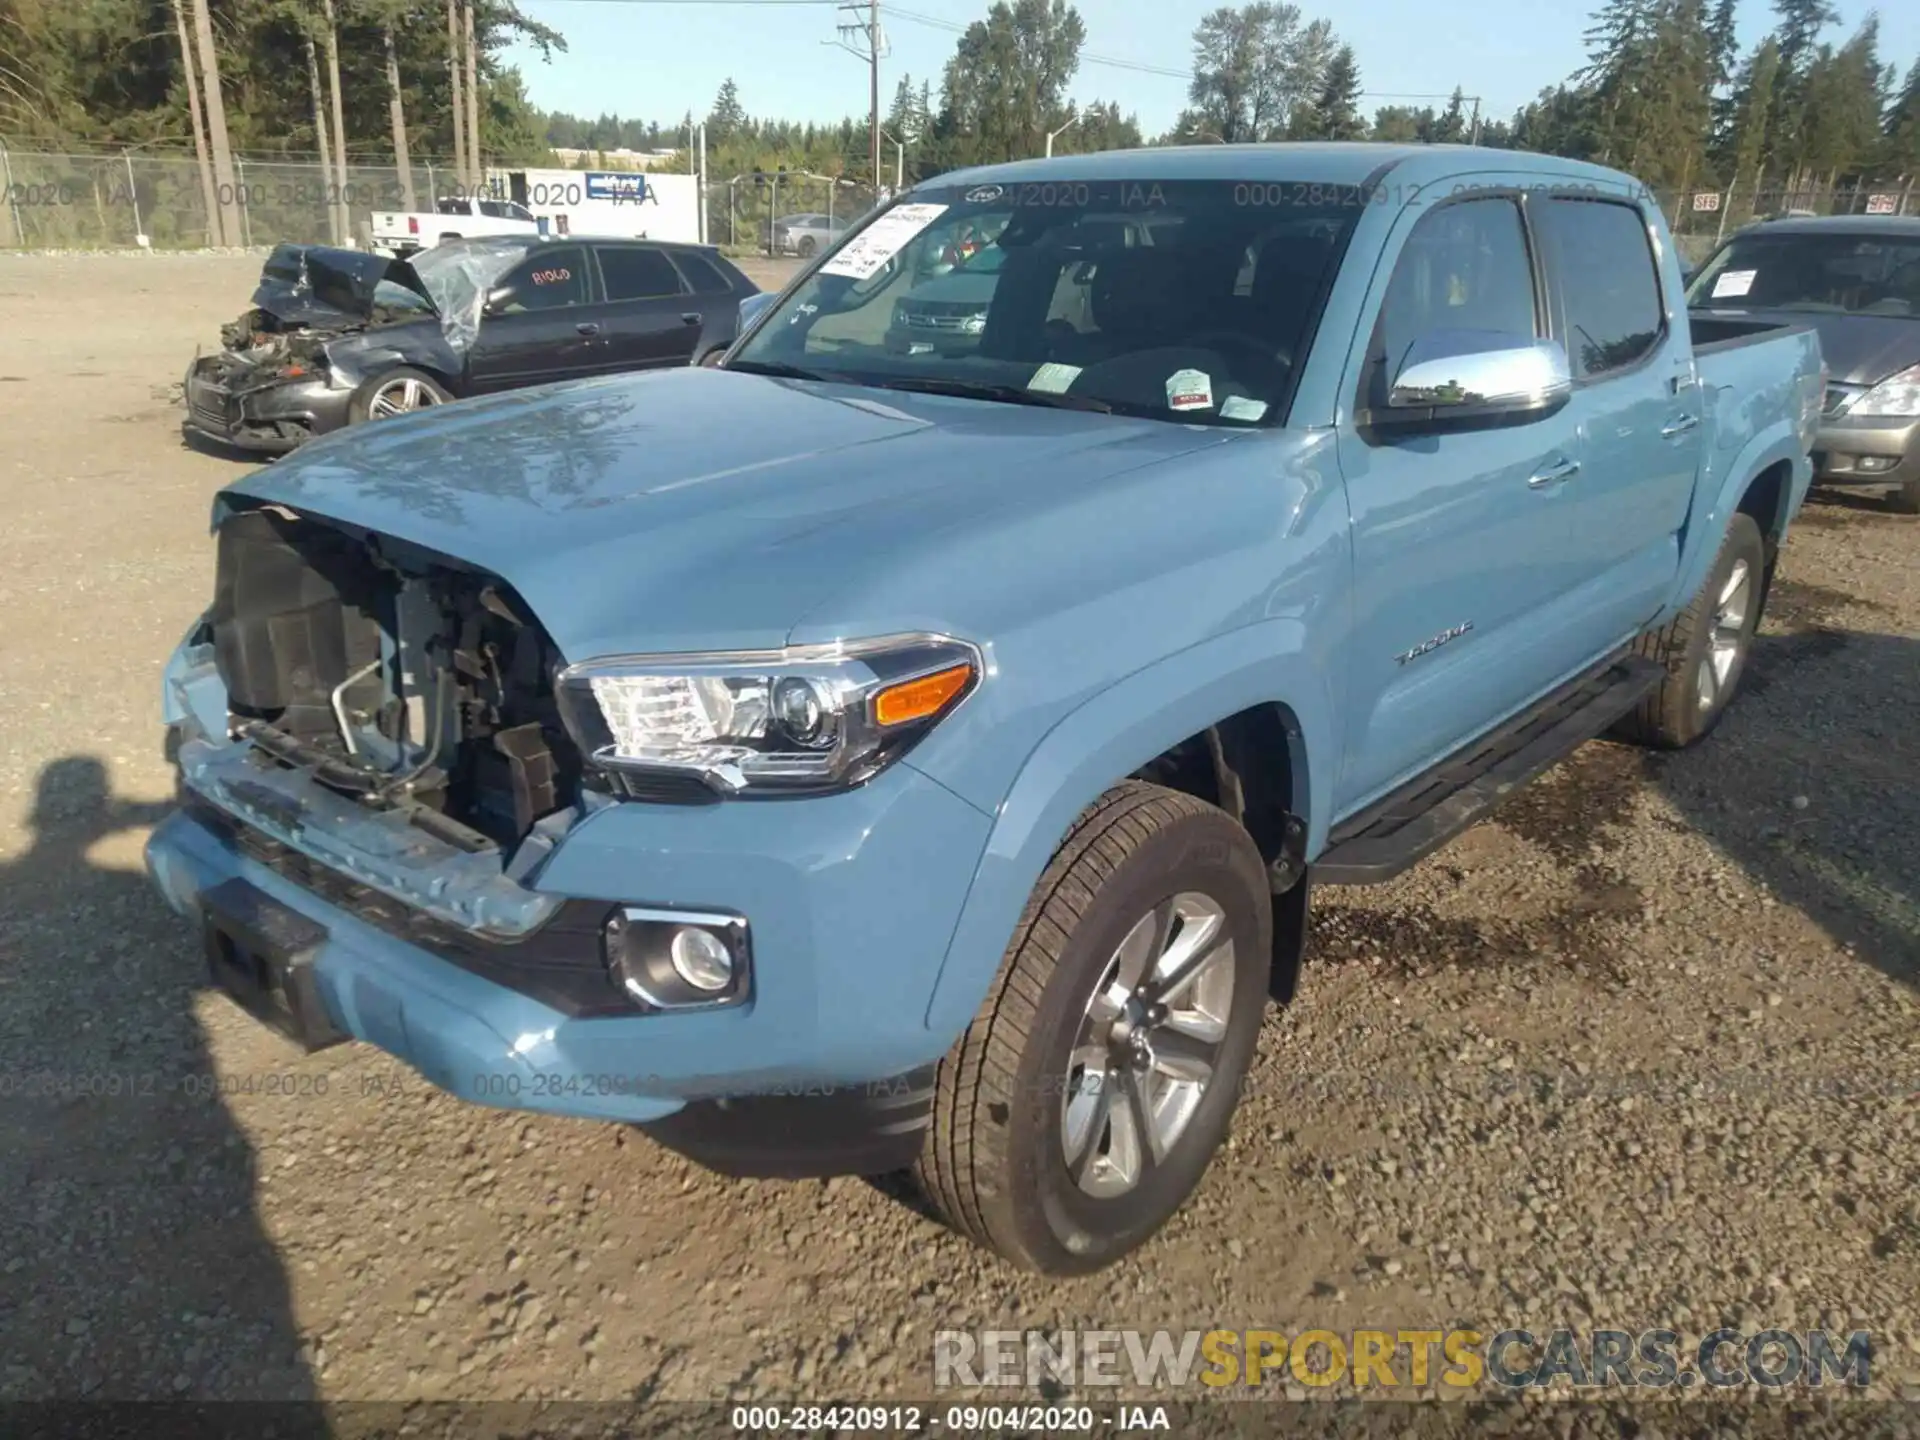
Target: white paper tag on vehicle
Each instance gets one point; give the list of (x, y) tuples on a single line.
[(1732, 284), (1052, 379), (1189, 390), (1240, 407), (861, 257)]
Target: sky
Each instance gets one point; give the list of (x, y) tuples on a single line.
[(658, 59)]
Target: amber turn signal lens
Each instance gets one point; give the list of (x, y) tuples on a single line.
[(917, 699)]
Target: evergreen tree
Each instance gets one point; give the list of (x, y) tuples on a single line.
[(728, 118), (1335, 111)]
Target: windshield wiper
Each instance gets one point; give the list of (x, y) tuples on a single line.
[(778, 368), (981, 390)]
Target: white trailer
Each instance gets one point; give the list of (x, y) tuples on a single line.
[(634, 203)]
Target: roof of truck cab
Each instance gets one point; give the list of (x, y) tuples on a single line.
[(1310, 163)]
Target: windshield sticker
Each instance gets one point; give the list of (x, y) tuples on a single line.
[(1239, 407), (1732, 284), (1051, 379), (1189, 390), (984, 194), (874, 246)]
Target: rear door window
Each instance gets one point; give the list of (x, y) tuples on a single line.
[(637, 272), (1609, 288)]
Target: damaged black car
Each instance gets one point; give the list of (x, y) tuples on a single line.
[(339, 337)]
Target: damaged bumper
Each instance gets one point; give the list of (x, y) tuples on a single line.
[(230, 401), (496, 988)]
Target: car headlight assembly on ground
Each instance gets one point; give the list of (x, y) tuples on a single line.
[(1897, 396), (804, 719)]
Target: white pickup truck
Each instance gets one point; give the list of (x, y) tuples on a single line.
[(401, 232)]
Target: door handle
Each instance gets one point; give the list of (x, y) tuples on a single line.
[(1553, 474), (1678, 427), (587, 327), (690, 317)]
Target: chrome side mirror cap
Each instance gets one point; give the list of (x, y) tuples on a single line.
[(1479, 372)]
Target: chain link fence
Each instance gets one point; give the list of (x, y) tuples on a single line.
[(62, 201), (742, 209), (1701, 218), (106, 201)]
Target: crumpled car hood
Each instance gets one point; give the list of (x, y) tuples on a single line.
[(320, 285), (712, 509)]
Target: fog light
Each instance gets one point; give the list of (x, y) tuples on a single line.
[(1873, 464), (678, 959), (701, 959)]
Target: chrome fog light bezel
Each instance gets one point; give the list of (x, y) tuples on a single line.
[(637, 949)]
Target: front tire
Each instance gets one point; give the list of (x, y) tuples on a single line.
[(394, 392), (1083, 1104), (807, 247), (1705, 648), (1907, 498)]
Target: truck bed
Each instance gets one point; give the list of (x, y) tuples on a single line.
[(1712, 333)]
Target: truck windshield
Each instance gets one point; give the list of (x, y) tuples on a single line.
[(1187, 301), (1837, 272)]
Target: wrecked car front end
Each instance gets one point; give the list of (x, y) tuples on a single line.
[(321, 322), (392, 829)]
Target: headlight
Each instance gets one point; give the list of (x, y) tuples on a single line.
[(806, 718), (1897, 395)]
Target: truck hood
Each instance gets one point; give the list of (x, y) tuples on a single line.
[(711, 509), (1858, 349)]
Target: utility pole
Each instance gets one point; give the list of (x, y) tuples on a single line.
[(1473, 133), (873, 49), (1073, 119)]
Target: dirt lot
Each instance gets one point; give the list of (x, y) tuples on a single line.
[(1640, 1052)]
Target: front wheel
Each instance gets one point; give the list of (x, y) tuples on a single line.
[(396, 392), (1083, 1104), (807, 246), (1705, 648), (1907, 498)]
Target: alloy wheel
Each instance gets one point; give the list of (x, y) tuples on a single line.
[(1727, 638), (1147, 1045), (398, 397)]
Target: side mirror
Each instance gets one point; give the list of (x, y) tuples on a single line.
[(498, 299), (1477, 374)]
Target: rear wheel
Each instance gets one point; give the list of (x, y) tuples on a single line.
[(1705, 648), (807, 247), (1083, 1104), (396, 392)]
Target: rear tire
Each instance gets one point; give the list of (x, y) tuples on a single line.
[(807, 247), (1038, 1115), (1705, 648)]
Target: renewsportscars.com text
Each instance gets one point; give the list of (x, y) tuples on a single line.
[(1389, 1359)]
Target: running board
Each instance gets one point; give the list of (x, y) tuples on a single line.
[(1397, 832)]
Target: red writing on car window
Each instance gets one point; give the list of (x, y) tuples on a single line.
[(551, 277)]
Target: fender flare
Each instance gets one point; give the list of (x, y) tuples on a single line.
[(1106, 739), (1705, 527)]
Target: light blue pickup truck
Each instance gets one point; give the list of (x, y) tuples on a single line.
[(858, 756)]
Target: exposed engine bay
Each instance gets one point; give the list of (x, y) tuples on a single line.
[(391, 676)]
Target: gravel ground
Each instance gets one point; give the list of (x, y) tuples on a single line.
[(1638, 1052)]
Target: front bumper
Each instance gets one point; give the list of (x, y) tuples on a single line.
[(1861, 450), (227, 404), (852, 900)]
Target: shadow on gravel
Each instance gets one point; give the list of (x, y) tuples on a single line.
[(135, 1262), (1812, 783)]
